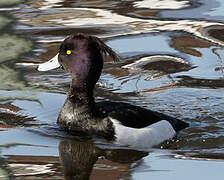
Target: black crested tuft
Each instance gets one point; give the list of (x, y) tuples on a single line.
[(105, 49)]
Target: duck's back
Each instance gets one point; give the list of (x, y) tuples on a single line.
[(138, 126), (136, 117)]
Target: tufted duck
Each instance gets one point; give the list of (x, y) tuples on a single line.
[(126, 124)]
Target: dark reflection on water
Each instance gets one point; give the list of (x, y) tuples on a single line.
[(79, 158), (172, 61), (192, 82)]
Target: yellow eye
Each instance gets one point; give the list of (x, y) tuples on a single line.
[(68, 52)]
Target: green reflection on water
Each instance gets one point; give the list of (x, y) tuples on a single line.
[(6, 3), (4, 21), (12, 47), (13, 79), (4, 172), (10, 79)]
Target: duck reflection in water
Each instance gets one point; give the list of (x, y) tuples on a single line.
[(81, 160)]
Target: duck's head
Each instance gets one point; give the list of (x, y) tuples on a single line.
[(82, 57)]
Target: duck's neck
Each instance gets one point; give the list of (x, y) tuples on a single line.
[(82, 99), (78, 108), (80, 95)]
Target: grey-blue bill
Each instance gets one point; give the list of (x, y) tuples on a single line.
[(49, 65)]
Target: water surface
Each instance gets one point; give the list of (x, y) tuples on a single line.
[(172, 62)]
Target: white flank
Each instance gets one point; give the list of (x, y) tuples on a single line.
[(144, 137), (51, 64)]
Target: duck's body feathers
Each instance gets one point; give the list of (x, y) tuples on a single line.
[(135, 116), (123, 122), (81, 56)]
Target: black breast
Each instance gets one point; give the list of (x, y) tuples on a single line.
[(83, 119)]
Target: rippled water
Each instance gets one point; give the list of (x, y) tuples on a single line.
[(172, 61)]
